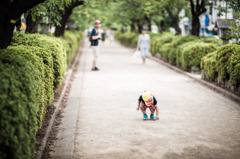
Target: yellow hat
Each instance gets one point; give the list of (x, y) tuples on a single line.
[(147, 95)]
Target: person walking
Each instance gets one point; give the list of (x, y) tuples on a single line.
[(144, 45), (95, 36)]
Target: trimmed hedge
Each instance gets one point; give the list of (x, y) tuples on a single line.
[(224, 64), (19, 106), (228, 63), (71, 41), (177, 41), (127, 38), (209, 65), (192, 54), (31, 69), (53, 46)]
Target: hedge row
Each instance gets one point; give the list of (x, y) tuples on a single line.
[(188, 51), (224, 64), (31, 69)]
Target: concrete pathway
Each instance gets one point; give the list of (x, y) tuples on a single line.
[(195, 122)]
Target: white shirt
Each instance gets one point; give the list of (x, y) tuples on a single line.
[(144, 40)]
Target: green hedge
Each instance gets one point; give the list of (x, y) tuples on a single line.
[(177, 41), (209, 65), (192, 54), (71, 41), (223, 63), (228, 63), (127, 38), (53, 46), (19, 106), (31, 69)]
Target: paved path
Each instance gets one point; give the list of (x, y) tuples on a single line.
[(195, 122)]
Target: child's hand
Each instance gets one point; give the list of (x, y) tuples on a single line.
[(157, 117), (137, 108)]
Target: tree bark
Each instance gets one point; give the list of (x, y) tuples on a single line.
[(149, 23), (196, 11), (32, 26), (140, 26), (132, 25), (175, 21), (161, 26), (65, 14), (10, 13)]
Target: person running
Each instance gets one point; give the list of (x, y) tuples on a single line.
[(147, 100), (144, 45), (95, 36)]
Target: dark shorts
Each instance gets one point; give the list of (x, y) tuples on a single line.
[(143, 107)]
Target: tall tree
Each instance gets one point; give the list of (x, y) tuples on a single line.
[(10, 13), (65, 14), (197, 9)]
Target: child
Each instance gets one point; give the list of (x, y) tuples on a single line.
[(147, 100)]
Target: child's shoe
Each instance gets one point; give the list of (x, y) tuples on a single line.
[(145, 117), (152, 117)]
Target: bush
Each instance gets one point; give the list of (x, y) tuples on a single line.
[(53, 46), (127, 38), (160, 41), (71, 40), (43, 74), (165, 49), (192, 54), (209, 65), (31, 69), (228, 63), (212, 40), (19, 106), (177, 41)]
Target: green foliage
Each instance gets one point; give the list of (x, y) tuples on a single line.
[(212, 40), (177, 41), (19, 106), (228, 63), (209, 65), (31, 69), (158, 45), (165, 50), (51, 45), (127, 38), (192, 54), (71, 40)]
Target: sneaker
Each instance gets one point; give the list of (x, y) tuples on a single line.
[(96, 69), (152, 117), (145, 117)]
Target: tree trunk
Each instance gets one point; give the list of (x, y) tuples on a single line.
[(32, 26), (197, 9), (175, 21), (140, 27), (59, 31), (132, 25), (10, 13), (195, 26), (149, 23), (161, 26)]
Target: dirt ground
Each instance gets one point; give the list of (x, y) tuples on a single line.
[(195, 122)]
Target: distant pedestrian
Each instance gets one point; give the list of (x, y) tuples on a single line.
[(95, 36), (144, 45), (147, 100)]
